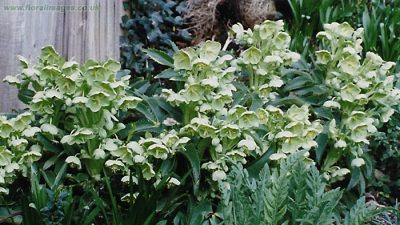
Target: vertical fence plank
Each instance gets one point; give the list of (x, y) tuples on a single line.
[(76, 34)]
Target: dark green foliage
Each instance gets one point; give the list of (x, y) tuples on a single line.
[(150, 24), (293, 193)]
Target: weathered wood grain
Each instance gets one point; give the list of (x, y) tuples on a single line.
[(78, 35)]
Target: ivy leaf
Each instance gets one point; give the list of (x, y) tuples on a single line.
[(160, 57)]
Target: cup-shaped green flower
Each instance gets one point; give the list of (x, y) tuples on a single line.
[(97, 100), (50, 73), (6, 127), (323, 57), (41, 104), (74, 162), (248, 119), (281, 41), (80, 136), (357, 162), (209, 51), (252, 55), (182, 60), (300, 114), (148, 171), (350, 64), (68, 85), (158, 151), (96, 73), (31, 156), (269, 28), (115, 165), (6, 156), (129, 102), (231, 131), (125, 154), (194, 93)]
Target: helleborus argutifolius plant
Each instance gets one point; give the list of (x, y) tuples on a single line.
[(77, 104), (267, 54), (362, 90), (207, 98), (17, 153)]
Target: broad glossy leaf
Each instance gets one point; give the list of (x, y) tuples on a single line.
[(160, 57)]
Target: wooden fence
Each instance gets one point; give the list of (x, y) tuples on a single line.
[(79, 30)]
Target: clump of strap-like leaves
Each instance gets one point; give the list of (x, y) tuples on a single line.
[(293, 193)]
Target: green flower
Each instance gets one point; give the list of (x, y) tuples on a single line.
[(277, 156), (295, 113), (95, 74), (248, 119), (248, 144), (237, 156), (292, 144), (12, 80), (74, 161), (236, 112), (30, 131), (357, 162), (269, 28), (147, 171), (194, 93), (281, 40), (182, 60), (41, 104), (350, 92), (6, 128), (6, 156), (360, 134), (128, 154), (220, 101), (112, 65), (22, 121), (230, 131), (323, 57), (79, 136), (50, 73), (68, 85), (129, 102), (49, 128), (350, 64), (252, 55), (115, 165), (218, 175), (31, 156), (209, 50), (97, 100), (205, 130), (158, 151), (49, 56)]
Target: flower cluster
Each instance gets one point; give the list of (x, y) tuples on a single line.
[(208, 79), (294, 131), (79, 103), (208, 99), (16, 151), (362, 91), (267, 54), (143, 153)]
